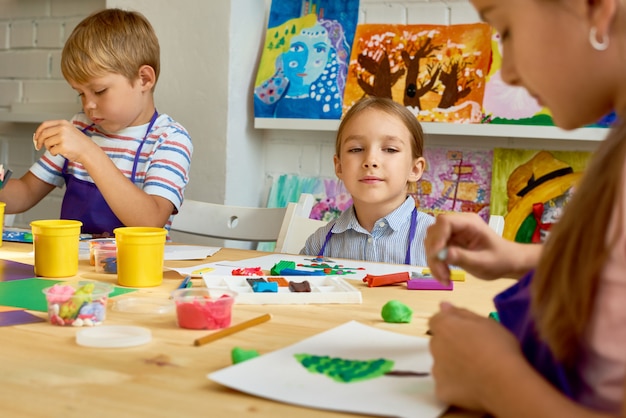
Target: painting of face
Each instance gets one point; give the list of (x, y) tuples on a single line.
[(306, 58)]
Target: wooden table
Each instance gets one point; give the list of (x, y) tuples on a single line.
[(44, 373)]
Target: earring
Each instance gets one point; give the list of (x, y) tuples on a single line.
[(593, 40)]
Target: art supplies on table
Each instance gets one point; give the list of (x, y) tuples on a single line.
[(322, 289), (28, 293), (17, 235)]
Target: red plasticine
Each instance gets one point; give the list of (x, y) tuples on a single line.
[(209, 314), (248, 271), (386, 279)]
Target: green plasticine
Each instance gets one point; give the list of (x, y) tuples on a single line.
[(343, 370), (396, 312), (239, 355)]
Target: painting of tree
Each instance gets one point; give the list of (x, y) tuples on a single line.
[(437, 71)]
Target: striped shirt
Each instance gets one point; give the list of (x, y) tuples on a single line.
[(163, 166), (387, 243)]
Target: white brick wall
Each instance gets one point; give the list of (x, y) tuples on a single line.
[(32, 34)]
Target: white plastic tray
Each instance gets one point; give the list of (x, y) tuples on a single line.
[(324, 289)]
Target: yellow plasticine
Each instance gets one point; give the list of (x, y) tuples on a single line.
[(456, 275), (202, 271)]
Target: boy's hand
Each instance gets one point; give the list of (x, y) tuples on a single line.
[(60, 137)]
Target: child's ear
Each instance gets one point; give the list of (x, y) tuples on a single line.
[(147, 77), (337, 162), (419, 165), (601, 15)]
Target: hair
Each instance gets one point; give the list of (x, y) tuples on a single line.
[(384, 104), (110, 41), (566, 280)]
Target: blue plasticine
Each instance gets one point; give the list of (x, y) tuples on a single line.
[(259, 287)]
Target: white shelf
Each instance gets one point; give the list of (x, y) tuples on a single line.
[(433, 128), (38, 112)]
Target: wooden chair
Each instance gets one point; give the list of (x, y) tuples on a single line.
[(237, 223)]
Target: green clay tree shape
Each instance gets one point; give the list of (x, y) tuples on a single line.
[(345, 371)]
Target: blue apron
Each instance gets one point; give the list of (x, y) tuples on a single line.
[(84, 202), (412, 229), (513, 305)]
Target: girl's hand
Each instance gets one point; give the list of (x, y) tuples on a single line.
[(470, 354), (467, 241)]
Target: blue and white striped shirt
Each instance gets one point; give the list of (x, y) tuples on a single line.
[(387, 243)]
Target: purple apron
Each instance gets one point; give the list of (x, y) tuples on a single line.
[(84, 202), (513, 307), (412, 229)]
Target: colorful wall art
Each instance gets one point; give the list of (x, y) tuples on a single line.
[(331, 197), (305, 58), (531, 187), (456, 180), (513, 105), (437, 71)]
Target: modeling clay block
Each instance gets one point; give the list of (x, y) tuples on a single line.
[(282, 282), (248, 271), (386, 279), (428, 284), (252, 280), (278, 267), (239, 355), (265, 287), (396, 312), (304, 286), (456, 275)]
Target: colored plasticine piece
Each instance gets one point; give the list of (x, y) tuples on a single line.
[(239, 355), (494, 315), (252, 280), (396, 312), (267, 287), (428, 284), (278, 267), (456, 275), (386, 279), (282, 282), (248, 271), (296, 287), (336, 270)]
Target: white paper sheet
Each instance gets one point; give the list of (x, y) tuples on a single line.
[(280, 376), (188, 252)]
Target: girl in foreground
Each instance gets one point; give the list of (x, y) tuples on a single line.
[(560, 350)]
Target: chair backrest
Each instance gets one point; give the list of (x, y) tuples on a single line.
[(496, 222), (294, 232), (238, 223)]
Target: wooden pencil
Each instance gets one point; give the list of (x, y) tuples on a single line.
[(233, 329)]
